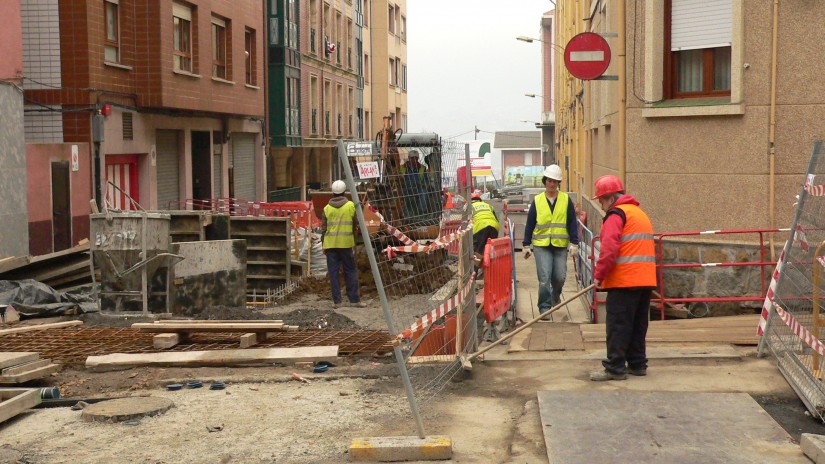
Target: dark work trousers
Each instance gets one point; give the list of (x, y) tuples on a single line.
[(336, 258), (628, 312), (480, 238)]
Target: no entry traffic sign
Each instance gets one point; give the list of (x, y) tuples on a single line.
[(587, 56)]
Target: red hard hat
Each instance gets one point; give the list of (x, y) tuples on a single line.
[(476, 194), (608, 185)]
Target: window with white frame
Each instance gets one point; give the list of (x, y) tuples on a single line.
[(111, 44), (698, 48), (182, 37)]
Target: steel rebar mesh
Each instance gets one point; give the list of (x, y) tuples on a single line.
[(799, 292), (423, 250)]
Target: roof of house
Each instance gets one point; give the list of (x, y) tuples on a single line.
[(517, 139)]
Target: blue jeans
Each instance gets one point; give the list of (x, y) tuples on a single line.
[(337, 258), (551, 269)]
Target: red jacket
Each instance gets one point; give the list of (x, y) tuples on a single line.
[(638, 268)]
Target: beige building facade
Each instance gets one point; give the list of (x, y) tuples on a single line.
[(385, 65), (718, 121)]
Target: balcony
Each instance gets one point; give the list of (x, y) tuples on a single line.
[(314, 121)]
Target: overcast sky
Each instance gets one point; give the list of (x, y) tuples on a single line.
[(466, 68)]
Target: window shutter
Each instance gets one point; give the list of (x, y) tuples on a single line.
[(699, 24)]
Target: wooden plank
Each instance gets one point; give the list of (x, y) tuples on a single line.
[(253, 356), (538, 337), (208, 327), (21, 368), (250, 339), (9, 358), (15, 401), (229, 321), (38, 373), (12, 263), (165, 340), (62, 271), (31, 328)]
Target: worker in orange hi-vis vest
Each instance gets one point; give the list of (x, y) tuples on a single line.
[(627, 271)]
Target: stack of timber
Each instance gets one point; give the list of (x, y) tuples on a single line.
[(19, 367), (62, 270), (267, 252), (13, 401), (174, 332)]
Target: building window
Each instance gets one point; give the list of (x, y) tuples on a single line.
[(182, 37), (403, 28), (249, 57), (698, 48), (403, 77), (111, 45), (392, 19), (366, 69), (366, 10), (219, 48)]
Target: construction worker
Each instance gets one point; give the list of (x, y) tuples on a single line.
[(485, 223), (550, 230), (415, 184), (447, 198), (627, 270), (339, 245)]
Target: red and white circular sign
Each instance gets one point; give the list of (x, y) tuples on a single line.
[(587, 56)]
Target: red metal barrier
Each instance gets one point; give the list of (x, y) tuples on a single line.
[(447, 228), (661, 300), (302, 213), (498, 273)]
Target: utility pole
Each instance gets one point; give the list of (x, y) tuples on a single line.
[(475, 136)]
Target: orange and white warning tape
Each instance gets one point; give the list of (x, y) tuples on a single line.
[(441, 242), (392, 230), (440, 311), (815, 190), (766, 306)]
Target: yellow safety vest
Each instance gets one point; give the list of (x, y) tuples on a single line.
[(551, 226), (339, 226), (483, 216)]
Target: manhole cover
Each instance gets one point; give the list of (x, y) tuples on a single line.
[(125, 409)]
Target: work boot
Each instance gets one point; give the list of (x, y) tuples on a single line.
[(336, 305), (640, 372), (360, 304), (604, 374)]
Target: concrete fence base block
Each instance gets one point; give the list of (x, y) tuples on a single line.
[(390, 449), (814, 447)]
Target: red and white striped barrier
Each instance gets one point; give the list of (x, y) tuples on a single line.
[(441, 242), (392, 230), (437, 313), (800, 331), (815, 190), (766, 306)]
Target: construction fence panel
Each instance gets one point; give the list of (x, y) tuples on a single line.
[(423, 256), (793, 322), (498, 274)]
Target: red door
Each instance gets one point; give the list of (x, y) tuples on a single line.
[(122, 171)]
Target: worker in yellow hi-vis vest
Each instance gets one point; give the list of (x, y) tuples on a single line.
[(550, 230), (338, 240), (485, 223)]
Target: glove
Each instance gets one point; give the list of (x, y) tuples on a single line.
[(528, 250), (573, 249)]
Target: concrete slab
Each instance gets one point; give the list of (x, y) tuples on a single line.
[(814, 447), (672, 427), (125, 409), (394, 449)]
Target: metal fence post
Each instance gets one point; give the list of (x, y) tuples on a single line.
[(382, 295)]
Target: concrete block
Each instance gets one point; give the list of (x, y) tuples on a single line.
[(814, 447), (390, 449)]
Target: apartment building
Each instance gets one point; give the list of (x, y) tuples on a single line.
[(320, 82), (386, 60), (166, 94), (13, 212), (718, 122)]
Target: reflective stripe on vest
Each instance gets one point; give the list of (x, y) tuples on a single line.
[(551, 226), (483, 216), (636, 263), (339, 226)]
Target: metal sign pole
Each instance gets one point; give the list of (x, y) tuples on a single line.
[(379, 284)]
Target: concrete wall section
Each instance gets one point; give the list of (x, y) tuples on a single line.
[(11, 40), (212, 274), (13, 195)]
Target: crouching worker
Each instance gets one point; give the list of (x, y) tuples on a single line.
[(485, 224), (338, 235)]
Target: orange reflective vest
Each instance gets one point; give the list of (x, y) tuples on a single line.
[(636, 263)]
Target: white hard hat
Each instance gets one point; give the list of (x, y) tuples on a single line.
[(339, 187), (553, 172), (413, 154)]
